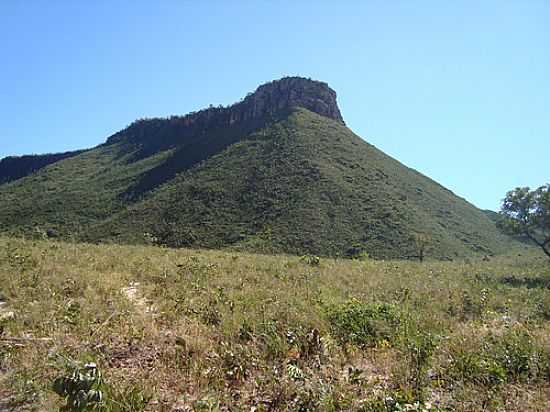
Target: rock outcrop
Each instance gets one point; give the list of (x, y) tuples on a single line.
[(288, 92), (266, 102)]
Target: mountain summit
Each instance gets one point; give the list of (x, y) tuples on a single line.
[(290, 92), (278, 171), (269, 101)]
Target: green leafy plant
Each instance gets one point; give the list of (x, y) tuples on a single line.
[(474, 307), (420, 347), (234, 362), (363, 324), (294, 372), (512, 357), (357, 252), (396, 400), (311, 260), (82, 389), (72, 312), (476, 367)]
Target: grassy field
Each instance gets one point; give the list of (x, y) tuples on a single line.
[(198, 330)]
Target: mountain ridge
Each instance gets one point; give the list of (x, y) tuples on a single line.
[(267, 101), (16, 167)]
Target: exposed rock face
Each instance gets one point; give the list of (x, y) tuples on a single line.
[(288, 92), (197, 136), (268, 100)]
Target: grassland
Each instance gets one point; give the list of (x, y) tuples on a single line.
[(183, 330)]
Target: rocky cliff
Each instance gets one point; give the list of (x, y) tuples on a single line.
[(288, 92), (266, 102)]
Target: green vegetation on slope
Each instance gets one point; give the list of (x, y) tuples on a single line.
[(212, 330), (16, 167), (302, 183), (68, 196), (306, 184)]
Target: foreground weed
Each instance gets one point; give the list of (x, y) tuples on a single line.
[(420, 347), (398, 400), (513, 357), (82, 390), (364, 324)]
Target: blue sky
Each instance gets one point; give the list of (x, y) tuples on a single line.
[(458, 90)]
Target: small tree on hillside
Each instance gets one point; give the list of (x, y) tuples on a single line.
[(527, 213), (421, 242)]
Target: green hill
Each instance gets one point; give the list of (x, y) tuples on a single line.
[(277, 172), (16, 167)]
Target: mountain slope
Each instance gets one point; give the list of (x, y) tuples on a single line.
[(307, 184), (16, 167), (277, 172), (69, 195)]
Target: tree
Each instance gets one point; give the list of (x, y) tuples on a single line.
[(421, 242), (527, 213)]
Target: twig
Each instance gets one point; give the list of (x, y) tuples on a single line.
[(111, 316), (26, 339)]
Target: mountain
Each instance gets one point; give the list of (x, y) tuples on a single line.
[(278, 171)]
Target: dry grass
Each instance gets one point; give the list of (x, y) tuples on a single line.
[(209, 330)]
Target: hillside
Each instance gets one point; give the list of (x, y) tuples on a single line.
[(277, 172), (16, 167), (195, 330)]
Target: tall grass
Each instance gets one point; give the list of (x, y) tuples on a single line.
[(210, 330)]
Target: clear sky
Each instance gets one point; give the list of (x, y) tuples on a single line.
[(459, 90)]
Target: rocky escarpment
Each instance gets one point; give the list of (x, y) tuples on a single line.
[(198, 136), (288, 92), (265, 103)]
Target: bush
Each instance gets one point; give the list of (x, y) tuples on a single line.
[(513, 357), (420, 347), (356, 252), (82, 389), (476, 367), (311, 260), (363, 324)]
